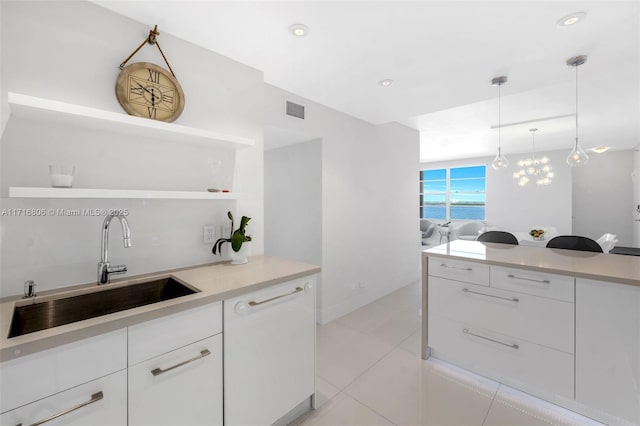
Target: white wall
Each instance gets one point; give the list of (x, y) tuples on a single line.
[(636, 198), (603, 196), (70, 51), (515, 208), (369, 203), (293, 207)]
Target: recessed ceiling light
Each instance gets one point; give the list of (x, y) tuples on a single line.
[(600, 149), (570, 20), (299, 30), (386, 82)]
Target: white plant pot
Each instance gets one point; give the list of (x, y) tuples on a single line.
[(240, 257)]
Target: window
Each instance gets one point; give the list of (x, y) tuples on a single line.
[(453, 193)]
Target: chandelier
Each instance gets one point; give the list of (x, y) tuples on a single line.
[(534, 168)]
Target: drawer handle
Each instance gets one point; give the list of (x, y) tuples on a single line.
[(159, 371), (510, 299), (509, 345), (297, 290), (444, 265), (515, 277), (94, 398)]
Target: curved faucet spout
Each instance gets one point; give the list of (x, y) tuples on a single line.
[(104, 268)]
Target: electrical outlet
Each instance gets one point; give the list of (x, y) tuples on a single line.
[(208, 234)]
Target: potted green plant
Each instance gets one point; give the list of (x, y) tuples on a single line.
[(238, 251)]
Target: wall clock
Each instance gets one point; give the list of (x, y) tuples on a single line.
[(146, 90)]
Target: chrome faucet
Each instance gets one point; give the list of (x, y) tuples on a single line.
[(104, 267)]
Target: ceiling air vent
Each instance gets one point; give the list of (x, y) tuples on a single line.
[(294, 110)]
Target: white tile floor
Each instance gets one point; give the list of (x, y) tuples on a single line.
[(370, 373)]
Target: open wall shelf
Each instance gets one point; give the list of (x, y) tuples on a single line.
[(33, 192), (40, 109)]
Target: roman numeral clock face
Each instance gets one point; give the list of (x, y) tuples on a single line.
[(147, 90)]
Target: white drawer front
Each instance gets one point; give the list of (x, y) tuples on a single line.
[(539, 320), (529, 366), (553, 286), (189, 394), (469, 272), (152, 338), (41, 374), (101, 402)]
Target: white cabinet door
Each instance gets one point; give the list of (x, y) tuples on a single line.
[(608, 347), (101, 402), (182, 387), (269, 352)]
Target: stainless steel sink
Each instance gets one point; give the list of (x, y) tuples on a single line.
[(52, 313)]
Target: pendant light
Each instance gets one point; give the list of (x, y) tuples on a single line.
[(500, 162), (577, 156)]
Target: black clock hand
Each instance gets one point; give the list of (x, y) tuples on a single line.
[(153, 96), (142, 87)]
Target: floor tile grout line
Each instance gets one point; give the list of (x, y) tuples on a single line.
[(395, 313), (370, 408), (386, 355), (491, 404), (369, 334), (358, 401)]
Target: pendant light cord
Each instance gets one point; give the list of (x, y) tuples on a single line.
[(533, 145), (499, 121), (576, 105)]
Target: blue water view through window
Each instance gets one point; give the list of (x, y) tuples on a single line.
[(456, 193)]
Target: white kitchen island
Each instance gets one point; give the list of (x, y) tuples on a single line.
[(562, 325)]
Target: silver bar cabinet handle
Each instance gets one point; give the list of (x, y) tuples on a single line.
[(159, 371), (510, 299), (528, 279), (444, 265), (94, 398), (297, 290), (509, 345)]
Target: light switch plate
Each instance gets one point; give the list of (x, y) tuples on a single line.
[(208, 234)]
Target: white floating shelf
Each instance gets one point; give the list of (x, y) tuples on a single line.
[(33, 192), (31, 107)]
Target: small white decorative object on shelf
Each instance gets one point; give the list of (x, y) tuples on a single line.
[(61, 176)]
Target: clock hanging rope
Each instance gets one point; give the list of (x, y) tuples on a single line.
[(147, 90)]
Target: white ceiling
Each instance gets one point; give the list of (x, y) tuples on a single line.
[(442, 56)]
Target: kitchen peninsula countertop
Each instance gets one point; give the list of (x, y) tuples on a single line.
[(581, 264), (217, 281)]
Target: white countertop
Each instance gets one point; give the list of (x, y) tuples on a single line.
[(595, 266), (216, 282)]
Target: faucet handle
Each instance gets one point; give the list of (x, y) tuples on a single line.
[(117, 269), (29, 289)]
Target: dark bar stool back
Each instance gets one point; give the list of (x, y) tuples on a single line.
[(574, 242), (498, 237)]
